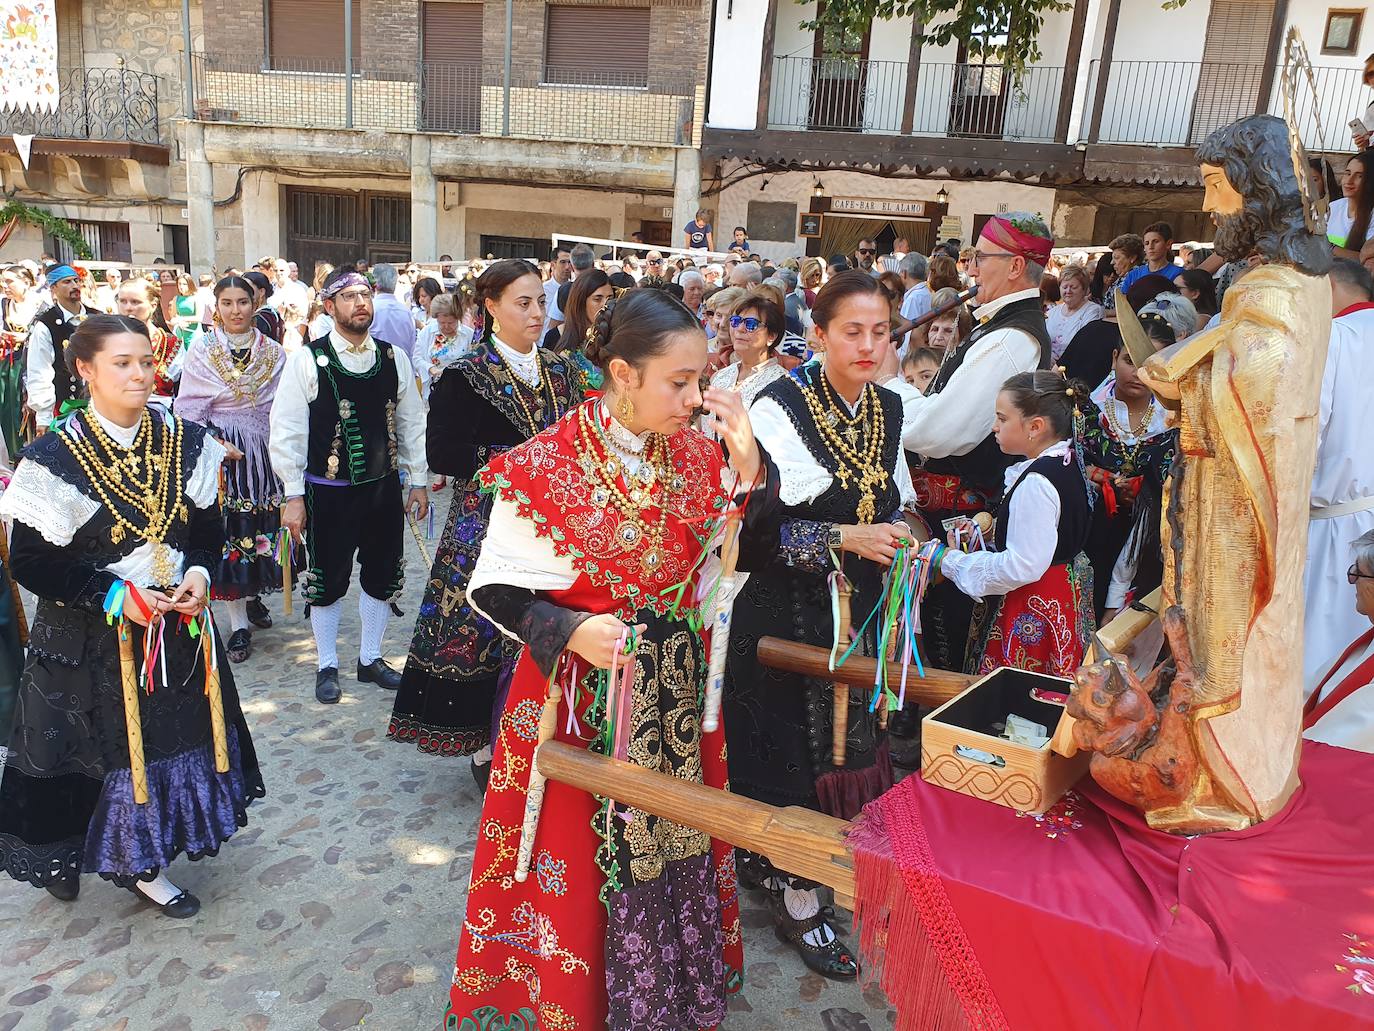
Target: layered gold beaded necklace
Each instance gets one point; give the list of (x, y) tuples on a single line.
[(148, 482), (1129, 452), (245, 372), (840, 432), (648, 486)]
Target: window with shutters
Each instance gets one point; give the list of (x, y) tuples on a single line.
[(1234, 58), (308, 35), (596, 46), (451, 72)]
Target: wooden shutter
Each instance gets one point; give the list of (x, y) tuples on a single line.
[(1234, 56), (597, 45), (452, 32), (308, 35)]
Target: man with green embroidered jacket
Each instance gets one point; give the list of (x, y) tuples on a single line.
[(346, 420)]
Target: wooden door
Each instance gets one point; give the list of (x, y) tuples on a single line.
[(978, 105), (839, 73), (451, 67)]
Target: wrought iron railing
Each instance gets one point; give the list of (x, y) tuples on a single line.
[(445, 97), (927, 99), (95, 104), (1177, 103)]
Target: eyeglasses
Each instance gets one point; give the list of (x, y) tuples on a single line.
[(1353, 574), (866, 250), (749, 323), (354, 295), (978, 257)]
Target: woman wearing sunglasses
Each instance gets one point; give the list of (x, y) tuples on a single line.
[(756, 327)]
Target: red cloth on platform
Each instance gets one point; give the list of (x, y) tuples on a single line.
[(976, 916)]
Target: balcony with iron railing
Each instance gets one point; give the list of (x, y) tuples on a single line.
[(107, 104), (1148, 103), (438, 97)]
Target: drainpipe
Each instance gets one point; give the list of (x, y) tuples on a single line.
[(505, 101), (188, 72), (348, 64)]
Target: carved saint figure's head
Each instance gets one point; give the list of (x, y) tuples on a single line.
[(1253, 194)]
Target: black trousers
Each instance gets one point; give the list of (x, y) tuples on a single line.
[(367, 520)]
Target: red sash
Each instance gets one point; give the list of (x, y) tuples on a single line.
[(1357, 678)]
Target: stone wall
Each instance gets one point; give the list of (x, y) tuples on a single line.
[(147, 36)]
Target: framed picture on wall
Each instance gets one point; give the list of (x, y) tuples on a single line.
[(809, 225), (1342, 35)]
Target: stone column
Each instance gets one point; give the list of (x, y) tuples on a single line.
[(686, 191), (424, 202), (200, 200)]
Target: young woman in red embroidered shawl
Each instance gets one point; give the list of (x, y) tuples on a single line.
[(626, 921)]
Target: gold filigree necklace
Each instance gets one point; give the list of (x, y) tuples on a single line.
[(841, 432)]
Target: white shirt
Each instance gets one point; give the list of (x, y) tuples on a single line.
[(1064, 324), (38, 368), (57, 510), (524, 364), (552, 313), (1339, 221), (1032, 534), (728, 379), (915, 303), (801, 478), (959, 418), (1350, 723), (292, 292), (289, 436)]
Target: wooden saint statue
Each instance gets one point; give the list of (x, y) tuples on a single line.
[(1209, 741)]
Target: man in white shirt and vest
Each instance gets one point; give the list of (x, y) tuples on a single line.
[(47, 380), (950, 425), (346, 419)]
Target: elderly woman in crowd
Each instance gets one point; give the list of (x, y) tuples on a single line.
[(1340, 711), (1074, 310)]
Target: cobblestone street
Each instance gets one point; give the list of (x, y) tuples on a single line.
[(338, 906)]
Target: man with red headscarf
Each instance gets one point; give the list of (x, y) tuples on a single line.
[(950, 425)]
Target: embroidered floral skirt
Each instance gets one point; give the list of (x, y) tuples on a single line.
[(66, 798), (1043, 627), (627, 922), (449, 686), (251, 500)]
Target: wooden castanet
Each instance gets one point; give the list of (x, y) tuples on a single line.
[(802, 842), (935, 688)]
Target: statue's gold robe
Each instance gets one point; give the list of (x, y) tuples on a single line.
[(1235, 535)]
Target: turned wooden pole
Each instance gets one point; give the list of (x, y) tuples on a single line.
[(840, 712), (935, 688)]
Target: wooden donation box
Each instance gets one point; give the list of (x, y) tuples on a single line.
[(961, 751)]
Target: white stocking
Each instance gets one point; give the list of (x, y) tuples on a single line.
[(238, 614), (324, 621), (802, 905), (373, 614), (159, 889)]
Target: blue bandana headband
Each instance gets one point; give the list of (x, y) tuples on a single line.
[(59, 273)]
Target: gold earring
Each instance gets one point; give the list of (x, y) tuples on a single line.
[(495, 328), (625, 409)]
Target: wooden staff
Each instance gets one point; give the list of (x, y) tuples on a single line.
[(934, 689), (289, 548), (419, 538), (840, 711), (133, 727), (21, 620), (534, 799), (720, 626), (806, 843), (218, 735)]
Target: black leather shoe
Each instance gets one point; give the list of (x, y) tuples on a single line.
[(258, 614), (834, 961), (179, 908), (327, 688), (239, 646), (481, 773), (379, 673), (65, 889)]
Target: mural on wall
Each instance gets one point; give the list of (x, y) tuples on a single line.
[(28, 55)]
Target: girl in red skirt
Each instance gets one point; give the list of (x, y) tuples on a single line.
[(1037, 585)]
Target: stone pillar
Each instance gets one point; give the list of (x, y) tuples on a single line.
[(686, 191), (424, 202), (200, 200)]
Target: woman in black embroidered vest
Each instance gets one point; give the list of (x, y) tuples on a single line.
[(500, 394), (120, 495), (835, 439), (1037, 585)]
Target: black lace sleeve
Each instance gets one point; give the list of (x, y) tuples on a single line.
[(543, 626), (450, 426), (205, 538), (59, 574)]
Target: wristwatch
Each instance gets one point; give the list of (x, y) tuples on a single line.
[(835, 539)]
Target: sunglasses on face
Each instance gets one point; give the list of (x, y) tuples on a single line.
[(865, 250), (655, 261), (749, 323)]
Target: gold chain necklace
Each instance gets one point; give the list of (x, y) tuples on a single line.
[(1129, 452), (595, 454), (157, 493), (865, 465), (516, 383), (243, 376)]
